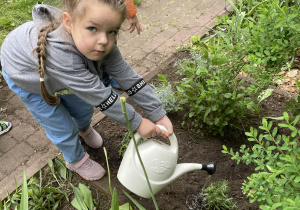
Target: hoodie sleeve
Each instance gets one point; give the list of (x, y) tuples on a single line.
[(131, 9), (134, 85)]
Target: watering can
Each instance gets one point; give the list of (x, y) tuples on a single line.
[(160, 161)]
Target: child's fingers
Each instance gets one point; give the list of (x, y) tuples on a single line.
[(157, 131)]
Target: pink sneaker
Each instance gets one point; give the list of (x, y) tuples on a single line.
[(91, 137), (87, 168)]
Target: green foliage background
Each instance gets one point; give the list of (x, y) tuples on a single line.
[(260, 38)]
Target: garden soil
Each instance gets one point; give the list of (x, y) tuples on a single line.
[(186, 192)]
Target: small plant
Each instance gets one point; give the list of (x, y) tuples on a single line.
[(262, 96), (217, 198), (83, 198), (125, 141), (276, 183), (165, 93)]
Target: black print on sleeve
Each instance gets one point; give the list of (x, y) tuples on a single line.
[(108, 102), (136, 88)]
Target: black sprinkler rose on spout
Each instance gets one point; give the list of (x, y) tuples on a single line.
[(210, 168)]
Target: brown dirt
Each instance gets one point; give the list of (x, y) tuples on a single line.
[(193, 148)]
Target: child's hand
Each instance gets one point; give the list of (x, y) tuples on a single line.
[(134, 23), (165, 121), (148, 129)]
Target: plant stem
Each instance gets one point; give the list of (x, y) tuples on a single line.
[(123, 100), (109, 182)]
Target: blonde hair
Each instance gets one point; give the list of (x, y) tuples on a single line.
[(76, 9)]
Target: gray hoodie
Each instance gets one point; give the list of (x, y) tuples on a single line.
[(68, 69)]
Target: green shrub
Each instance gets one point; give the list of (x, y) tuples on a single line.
[(213, 95), (276, 183), (265, 32), (259, 38)]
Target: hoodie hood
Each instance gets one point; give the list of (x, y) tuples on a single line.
[(43, 14)]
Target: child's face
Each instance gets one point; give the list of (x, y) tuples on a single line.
[(96, 32)]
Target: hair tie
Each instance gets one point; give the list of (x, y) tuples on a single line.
[(41, 79)]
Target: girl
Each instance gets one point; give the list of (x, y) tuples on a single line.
[(54, 63)]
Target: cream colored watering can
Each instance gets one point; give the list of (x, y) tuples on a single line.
[(160, 161)]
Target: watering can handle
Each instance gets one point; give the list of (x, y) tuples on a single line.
[(172, 138)]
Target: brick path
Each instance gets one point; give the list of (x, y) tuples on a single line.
[(167, 25)]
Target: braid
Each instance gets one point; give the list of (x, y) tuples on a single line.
[(41, 51)]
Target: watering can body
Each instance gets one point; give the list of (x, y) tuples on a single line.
[(160, 161)]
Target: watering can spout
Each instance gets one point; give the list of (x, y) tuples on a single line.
[(184, 168)]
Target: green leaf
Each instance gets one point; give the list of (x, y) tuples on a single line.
[(286, 117), (79, 200), (267, 52), (276, 205), (275, 118), (283, 125), (297, 179), (24, 196), (51, 165), (233, 6), (265, 94), (264, 207), (271, 169), (75, 204), (251, 139), (115, 200), (207, 111), (61, 169), (191, 114), (248, 134), (87, 196), (134, 201), (294, 133), (251, 106), (125, 206), (227, 95), (272, 148), (274, 131), (296, 120)]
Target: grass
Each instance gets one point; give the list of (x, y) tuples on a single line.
[(17, 12), (137, 2)]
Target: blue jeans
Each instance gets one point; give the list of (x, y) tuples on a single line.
[(61, 123)]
